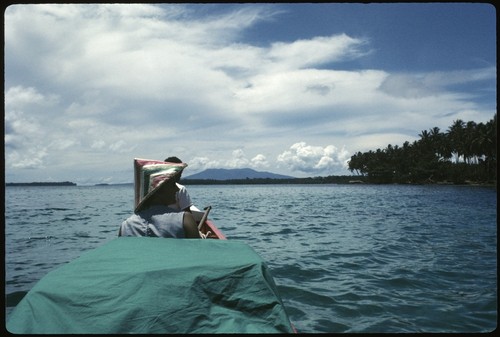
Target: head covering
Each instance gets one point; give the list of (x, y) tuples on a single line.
[(173, 160), (150, 175)]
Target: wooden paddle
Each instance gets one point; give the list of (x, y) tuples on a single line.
[(204, 217)]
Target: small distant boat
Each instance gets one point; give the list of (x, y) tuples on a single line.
[(156, 285)]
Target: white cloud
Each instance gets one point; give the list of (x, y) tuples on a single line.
[(32, 160), (107, 83), (238, 159), (314, 159), (98, 144), (197, 164), (24, 130), (316, 51), (120, 146), (19, 96), (259, 162), (414, 86)]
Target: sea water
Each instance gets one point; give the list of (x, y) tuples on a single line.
[(345, 258)]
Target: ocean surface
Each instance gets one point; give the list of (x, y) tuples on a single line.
[(345, 258)]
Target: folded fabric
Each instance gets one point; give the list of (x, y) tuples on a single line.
[(154, 285), (150, 175)]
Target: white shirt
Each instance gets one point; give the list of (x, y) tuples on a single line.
[(183, 200)]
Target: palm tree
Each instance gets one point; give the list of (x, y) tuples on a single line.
[(455, 137), (484, 145), (438, 140), (472, 145), (468, 142)]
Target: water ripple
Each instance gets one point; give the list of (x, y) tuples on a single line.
[(345, 259)]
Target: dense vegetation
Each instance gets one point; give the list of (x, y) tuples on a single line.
[(466, 152), (46, 183)]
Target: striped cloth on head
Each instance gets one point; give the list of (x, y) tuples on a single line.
[(149, 175)]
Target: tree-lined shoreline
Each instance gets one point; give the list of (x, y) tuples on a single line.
[(465, 153), (45, 183)]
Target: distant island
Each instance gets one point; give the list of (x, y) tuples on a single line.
[(46, 183), (231, 174), (274, 181), (248, 176)]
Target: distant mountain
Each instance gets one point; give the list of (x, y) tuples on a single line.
[(230, 174)]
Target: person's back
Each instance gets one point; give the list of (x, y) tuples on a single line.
[(160, 221), (153, 216)]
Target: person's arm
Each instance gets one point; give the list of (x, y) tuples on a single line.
[(190, 226), (183, 199)]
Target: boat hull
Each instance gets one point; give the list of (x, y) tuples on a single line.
[(208, 228), (211, 231)]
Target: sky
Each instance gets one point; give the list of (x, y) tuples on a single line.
[(294, 89)]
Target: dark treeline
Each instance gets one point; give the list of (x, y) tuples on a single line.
[(465, 152), (46, 183)]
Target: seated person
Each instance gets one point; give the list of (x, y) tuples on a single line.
[(182, 199), (153, 216)]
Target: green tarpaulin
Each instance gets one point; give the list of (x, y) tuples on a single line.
[(154, 285)]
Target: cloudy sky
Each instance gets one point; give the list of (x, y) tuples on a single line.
[(294, 89)]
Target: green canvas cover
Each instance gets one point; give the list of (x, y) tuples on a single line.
[(156, 285)]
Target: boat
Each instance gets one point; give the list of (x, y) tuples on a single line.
[(157, 285), (206, 226)]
